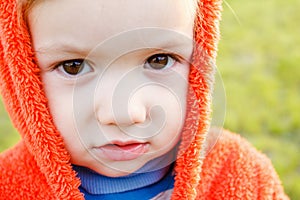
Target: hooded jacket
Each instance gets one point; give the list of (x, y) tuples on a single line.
[(39, 167)]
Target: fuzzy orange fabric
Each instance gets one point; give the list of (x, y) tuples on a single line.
[(39, 167)]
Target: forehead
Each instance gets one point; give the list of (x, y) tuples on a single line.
[(100, 19)]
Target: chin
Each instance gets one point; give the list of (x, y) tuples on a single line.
[(114, 170), (111, 172)]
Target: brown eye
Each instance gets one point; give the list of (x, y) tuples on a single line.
[(73, 67), (160, 61)]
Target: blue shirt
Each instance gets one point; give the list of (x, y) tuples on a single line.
[(152, 179)]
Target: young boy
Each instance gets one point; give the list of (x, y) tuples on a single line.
[(112, 99)]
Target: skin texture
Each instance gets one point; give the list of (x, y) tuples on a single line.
[(118, 110)]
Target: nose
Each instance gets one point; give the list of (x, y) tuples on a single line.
[(119, 104), (121, 114)]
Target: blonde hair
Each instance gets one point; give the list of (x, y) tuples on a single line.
[(23, 7)]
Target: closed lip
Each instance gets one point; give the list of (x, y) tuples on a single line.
[(122, 150)]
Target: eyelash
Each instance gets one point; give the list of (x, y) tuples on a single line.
[(169, 56), (85, 67)]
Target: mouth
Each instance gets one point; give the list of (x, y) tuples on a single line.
[(122, 151)]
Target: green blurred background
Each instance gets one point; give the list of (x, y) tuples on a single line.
[(258, 59)]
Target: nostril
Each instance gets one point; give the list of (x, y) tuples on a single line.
[(134, 115), (105, 117), (105, 120), (137, 114)]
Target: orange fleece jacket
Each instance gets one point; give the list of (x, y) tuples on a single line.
[(39, 167)]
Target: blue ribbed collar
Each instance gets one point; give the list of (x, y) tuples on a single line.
[(149, 174)]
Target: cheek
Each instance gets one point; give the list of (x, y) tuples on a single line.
[(171, 109), (167, 138), (60, 104), (61, 109)]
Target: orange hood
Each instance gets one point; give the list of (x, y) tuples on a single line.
[(26, 103)]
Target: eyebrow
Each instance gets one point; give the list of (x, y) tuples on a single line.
[(66, 48), (62, 48)]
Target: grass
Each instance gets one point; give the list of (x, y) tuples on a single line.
[(258, 61), (8, 135)]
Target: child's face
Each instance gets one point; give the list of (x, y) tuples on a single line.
[(115, 74)]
